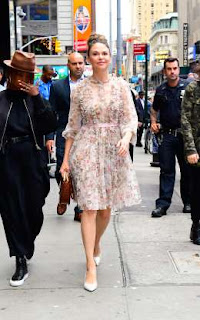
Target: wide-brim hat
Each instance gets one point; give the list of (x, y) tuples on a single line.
[(23, 61)]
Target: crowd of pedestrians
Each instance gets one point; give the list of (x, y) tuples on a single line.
[(91, 122)]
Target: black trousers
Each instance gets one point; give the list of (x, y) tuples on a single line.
[(131, 149), (24, 185), (139, 134), (170, 148), (195, 195)]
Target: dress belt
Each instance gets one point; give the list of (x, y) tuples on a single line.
[(101, 125), (11, 140)]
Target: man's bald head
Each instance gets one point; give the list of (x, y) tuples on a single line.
[(75, 65)]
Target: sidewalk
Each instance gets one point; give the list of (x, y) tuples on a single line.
[(149, 268)]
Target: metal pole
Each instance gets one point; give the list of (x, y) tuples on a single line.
[(15, 22), (76, 47), (119, 39), (110, 40), (146, 84), (93, 15)]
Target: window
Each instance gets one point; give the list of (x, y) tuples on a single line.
[(40, 10), (53, 9), (166, 39)]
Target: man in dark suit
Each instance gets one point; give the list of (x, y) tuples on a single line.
[(60, 101), (140, 114)]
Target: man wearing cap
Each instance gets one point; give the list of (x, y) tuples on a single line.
[(24, 181)]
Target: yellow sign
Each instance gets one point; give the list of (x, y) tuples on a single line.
[(82, 23), (162, 54)]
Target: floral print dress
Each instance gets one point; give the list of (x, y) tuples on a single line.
[(100, 115)]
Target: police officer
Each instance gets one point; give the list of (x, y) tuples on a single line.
[(167, 102)]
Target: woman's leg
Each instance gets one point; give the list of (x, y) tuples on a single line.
[(88, 230), (102, 220)]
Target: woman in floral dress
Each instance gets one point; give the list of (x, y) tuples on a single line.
[(102, 123)]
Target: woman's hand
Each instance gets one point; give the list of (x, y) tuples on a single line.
[(64, 168), (28, 88), (123, 146), (193, 158)]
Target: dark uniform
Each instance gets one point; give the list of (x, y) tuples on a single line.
[(167, 101), (190, 120)]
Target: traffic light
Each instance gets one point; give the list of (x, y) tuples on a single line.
[(57, 46)]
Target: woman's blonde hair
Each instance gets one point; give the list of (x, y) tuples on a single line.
[(96, 38)]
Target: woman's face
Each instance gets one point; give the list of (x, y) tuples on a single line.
[(13, 76), (99, 57)]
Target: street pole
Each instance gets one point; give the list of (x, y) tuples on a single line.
[(15, 22), (5, 47), (146, 84), (119, 39), (110, 23)]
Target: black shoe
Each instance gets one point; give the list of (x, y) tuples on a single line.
[(195, 233), (21, 273), (187, 208), (158, 212), (77, 214), (155, 164), (139, 144)]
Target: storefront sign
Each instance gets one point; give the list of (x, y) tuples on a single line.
[(139, 49), (185, 44), (82, 23), (161, 55)]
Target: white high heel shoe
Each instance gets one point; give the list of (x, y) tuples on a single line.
[(90, 286), (97, 260)]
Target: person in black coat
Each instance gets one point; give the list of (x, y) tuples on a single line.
[(60, 101), (131, 147), (24, 179), (141, 116)]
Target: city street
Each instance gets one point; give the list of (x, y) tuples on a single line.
[(149, 270)]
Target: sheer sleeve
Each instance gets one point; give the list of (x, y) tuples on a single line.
[(74, 121), (129, 119)]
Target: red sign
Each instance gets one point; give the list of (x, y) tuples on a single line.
[(139, 49)]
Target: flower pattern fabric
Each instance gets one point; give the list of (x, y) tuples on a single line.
[(100, 115)]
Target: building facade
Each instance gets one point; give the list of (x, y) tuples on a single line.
[(189, 31), (163, 44), (47, 27), (146, 12)]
